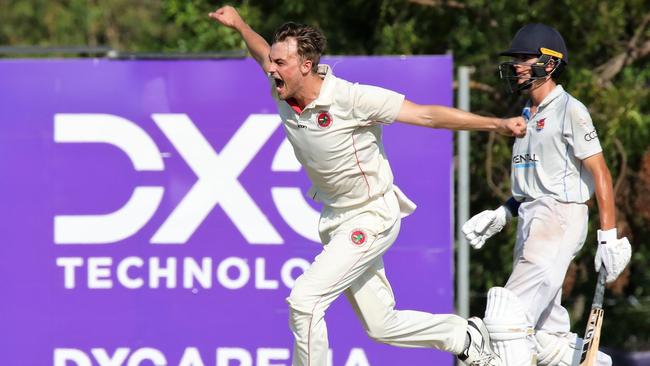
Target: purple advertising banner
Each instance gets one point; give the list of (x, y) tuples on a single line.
[(152, 213)]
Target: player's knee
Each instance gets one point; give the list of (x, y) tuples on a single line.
[(300, 300), (302, 313), (380, 329)]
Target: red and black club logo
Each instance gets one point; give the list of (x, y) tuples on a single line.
[(324, 119), (358, 237), (540, 124)]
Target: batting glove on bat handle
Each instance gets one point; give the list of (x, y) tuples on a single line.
[(484, 225), (612, 253)]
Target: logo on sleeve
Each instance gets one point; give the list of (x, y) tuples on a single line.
[(591, 136), (540, 124), (358, 237), (324, 119)]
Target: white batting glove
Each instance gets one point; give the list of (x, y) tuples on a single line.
[(482, 226), (613, 253)]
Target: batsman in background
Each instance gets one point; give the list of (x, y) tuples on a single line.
[(335, 129), (555, 169)]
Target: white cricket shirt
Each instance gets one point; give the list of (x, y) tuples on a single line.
[(548, 160), (337, 139)]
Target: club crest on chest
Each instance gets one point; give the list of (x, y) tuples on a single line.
[(539, 125), (324, 119)]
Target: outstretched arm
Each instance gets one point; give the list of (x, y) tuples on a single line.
[(436, 116), (257, 46)]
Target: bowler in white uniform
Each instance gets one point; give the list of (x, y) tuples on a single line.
[(556, 167), (335, 129)]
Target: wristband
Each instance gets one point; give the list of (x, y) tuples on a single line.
[(513, 206)]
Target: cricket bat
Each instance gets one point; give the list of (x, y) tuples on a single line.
[(595, 321)]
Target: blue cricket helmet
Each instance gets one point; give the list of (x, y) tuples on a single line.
[(538, 39)]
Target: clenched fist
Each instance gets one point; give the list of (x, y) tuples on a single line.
[(228, 16), (515, 126)]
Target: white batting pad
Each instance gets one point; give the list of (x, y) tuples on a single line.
[(510, 332)]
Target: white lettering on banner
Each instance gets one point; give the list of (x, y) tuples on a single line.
[(69, 264), (242, 269), (267, 356), (99, 272), (290, 201), (261, 281), (118, 358), (224, 356), (227, 354), (287, 270), (64, 355), (156, 272), (357, 358), (145, 156), (112, 227), (147, 354), (217, 181), (231, 273), (123, 272), (191, 357), (193, 272)]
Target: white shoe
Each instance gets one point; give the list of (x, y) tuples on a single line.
[(479, 352)]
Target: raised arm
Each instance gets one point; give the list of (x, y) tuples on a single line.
[(435, 116), (257, 46)]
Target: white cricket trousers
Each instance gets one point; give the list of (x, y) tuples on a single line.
[(549, 235), (354, 241)]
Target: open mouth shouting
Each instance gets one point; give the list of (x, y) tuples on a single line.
[(279, 84)]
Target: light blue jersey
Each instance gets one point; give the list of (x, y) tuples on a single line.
[(547, 162)]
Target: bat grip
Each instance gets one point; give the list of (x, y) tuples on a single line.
[(600, 289)]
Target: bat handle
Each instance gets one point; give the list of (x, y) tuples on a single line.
[(600, 288)]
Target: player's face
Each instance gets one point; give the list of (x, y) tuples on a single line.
[(286, 68), (522, 67)]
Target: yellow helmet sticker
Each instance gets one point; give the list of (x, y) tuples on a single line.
[(546, 51)]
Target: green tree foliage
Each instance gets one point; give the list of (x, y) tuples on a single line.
[(117, 23), (609, 48)]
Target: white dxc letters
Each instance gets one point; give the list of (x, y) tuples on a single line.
[(217, 181)]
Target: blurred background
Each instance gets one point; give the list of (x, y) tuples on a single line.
[(609, 50)]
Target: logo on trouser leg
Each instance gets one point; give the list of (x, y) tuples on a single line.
[(358, 237)]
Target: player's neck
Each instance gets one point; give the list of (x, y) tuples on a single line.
[(309, 91), (539, 92)]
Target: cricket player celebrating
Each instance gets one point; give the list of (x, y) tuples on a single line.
[(335, 129), (555, 169)]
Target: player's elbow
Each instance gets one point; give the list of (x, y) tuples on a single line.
[(378, 335)]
